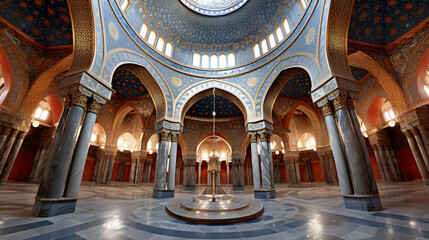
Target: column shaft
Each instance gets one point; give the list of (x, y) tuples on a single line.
[(418, 158), (81, 152), (172, 166), (7, 149), (265, 166), (12, 157), (255, 165)]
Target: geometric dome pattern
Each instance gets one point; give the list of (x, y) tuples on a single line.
[(298, 86)]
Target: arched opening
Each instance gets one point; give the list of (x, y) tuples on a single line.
[(422, 78)]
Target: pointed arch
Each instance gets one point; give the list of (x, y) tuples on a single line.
[(119, 117), (386, 81)]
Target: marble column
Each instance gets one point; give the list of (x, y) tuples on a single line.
[(255, 161), (378, 157), (95, 172), (199, 172), (270, 160), (418, 157), (160, 183), (120, 176), (55, 142), (81, 151), (359, 172), (148, 171), (12, 157), (189, 173), (291, 160), (7, 148), (133, 170), (110, 163), (362, 144), (178, 167), (265, 164), (5, 132), (338, 151), (173, 159), (228, 178), (308, 170), (420, 146), (326, 159), (57, 174)]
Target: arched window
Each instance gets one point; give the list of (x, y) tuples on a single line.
[(279, 34), (264, 46), (196, 60), (205, 61), (213, 61), (169, 49), (388, 113), (42, 112), (222, 61), (126, 142), (231, 60), (160, 44), (256, 51), (152, 37), (286, 26), (125, 4), (144, 30), (272, 40)]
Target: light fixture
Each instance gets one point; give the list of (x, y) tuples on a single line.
[(36, 123), (277, 152), (150, 151), (392, 123)]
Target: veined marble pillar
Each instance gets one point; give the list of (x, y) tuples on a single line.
[(364, 194), (420, 146), (133, 170), (110, 163), (81, 151), (238, 172), (5, 132), (255, 161), (7, 148), (120, 176), (418, 157), (57, 174), (189, 173), (173, 159), (326, 159), (160, 183), (308, 170), (12, 157), (267, 190), (148, 171), (293, 176), (228, 178), (199, 172), (362, 144), (338, 151)]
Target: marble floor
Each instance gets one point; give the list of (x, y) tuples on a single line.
[(124, 211)]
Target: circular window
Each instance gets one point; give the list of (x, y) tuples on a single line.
[(214, 7)]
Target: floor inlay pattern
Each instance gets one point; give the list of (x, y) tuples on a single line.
[(124, 211)]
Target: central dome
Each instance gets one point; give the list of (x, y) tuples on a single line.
[(214, 7)]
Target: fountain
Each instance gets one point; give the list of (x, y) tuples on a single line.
[(214, 206)]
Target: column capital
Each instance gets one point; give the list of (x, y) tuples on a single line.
[(79, 99), (339, 102), (351, 104), (408, 134), (253, 137), (174, 136), (414, 131), (264, 136), (68, 101), (94, 106), (327, 109), (164, 135)]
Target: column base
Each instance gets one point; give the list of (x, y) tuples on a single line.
[(363, 203), (48, 207), (235, 188), (188, 188), (163, 193), (265, 194)]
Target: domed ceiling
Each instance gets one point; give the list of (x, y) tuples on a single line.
[(214, 7), (127, 85), (192, 32), (204, 108)]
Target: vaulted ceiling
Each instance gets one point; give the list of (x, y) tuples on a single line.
[(381, 22), (45, 21), (204, 108), (127, 85)]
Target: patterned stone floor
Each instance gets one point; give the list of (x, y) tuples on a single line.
[(124, 211)]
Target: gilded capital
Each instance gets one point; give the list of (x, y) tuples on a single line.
[(164, 136), (253, 138), (6, 130), (264, 137), (414, 131), (79, 99), (22, 135), (94, 106), (327, 109), (68, 101), (339, 103), (174, 137)]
